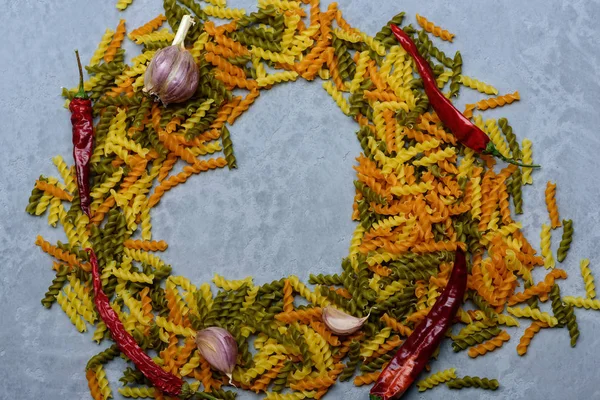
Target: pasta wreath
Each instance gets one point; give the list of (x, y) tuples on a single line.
[(419, 195)]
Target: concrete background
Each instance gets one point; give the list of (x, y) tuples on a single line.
[(287, 208)]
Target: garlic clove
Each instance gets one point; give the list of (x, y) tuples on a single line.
[(219, 349), (341, 323)]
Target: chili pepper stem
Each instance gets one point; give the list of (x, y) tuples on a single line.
[(492, 150), (81, 94)]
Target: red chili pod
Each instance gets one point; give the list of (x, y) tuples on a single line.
[(83, 140), (162, 380), (463, 129), (416, 351)]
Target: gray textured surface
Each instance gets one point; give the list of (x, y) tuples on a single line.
[(287, 208)]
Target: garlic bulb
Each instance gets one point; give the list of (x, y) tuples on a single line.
[(341, 323), (172, 74), (219, 349)]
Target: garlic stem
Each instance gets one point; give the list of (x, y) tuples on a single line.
[(186, 23)]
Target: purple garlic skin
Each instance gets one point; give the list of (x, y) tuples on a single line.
[(219, 348), (172, 75)]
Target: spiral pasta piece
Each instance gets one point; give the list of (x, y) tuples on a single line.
[(82, 293), (436, 379), (572, 326), (148, 27), (279, 77), (541, 288), (481, 87), (174, 328), (407, 190), (104, 188), (224, 12), (85, 310), (93, 385), (43, 204), (280, 4), (430, 27), (132, 276), (135, 309), (168, 184), (271, 56), (469, 108), (550, 197), (288, 298), (588, 278), (304, 316), (261, 366), (490, 345), (243, 105), (536, 314), (147, 245), (265, 380), (527, 154), (66, 306), (546, 236), (581, 302), (54, 211), (198, 114), (103, 382), (53, 190), (337, 97), (225, 284), (436, 157), (492, 129), (370, 347), (374, 44), (160, 35), (528, 335), (66, 173), (361, 70), (102, 46), (115, 43), (137, 392), (302, 290), (565, 243), (499, 101), (443, 78), (65, 256), (366, 379), (468, 381)]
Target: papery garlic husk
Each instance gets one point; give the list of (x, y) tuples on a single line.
[(341, 323), (172, 74), (219, 349)]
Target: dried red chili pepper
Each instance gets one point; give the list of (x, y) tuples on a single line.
[(164, 381), (416, 351), (83, 144), (83, 139), (465, 131)]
